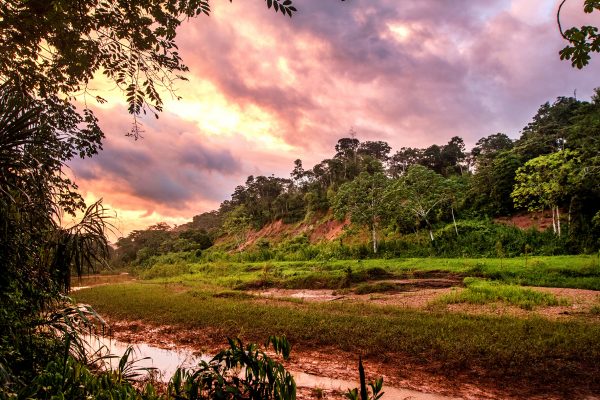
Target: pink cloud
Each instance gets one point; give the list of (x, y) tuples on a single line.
[(461, 68)]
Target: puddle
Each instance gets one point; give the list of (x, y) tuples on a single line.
[(88, 281), (312, 381), (167, 361)]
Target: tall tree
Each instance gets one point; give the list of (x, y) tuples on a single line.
[(363, 200), (378, 150), (37, 253), (493, 182), (422, 192), (488, 147), (452, 156), (548, 181), (548, 131), (402, 159)]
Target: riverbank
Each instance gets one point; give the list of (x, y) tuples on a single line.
[(429, 350)]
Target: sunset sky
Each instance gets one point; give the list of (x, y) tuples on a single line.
[(264, 90)]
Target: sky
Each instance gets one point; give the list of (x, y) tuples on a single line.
[(264, 90)]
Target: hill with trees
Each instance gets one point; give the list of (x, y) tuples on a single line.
[(439, 200)]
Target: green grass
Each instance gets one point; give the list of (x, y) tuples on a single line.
[(522, 347), (479, 291), (561, 271)]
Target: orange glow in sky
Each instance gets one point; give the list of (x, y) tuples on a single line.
[(264, 90)]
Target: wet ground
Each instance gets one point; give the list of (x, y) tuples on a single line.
[(164, 362), (323, 373), (422, 293), (88, 281)]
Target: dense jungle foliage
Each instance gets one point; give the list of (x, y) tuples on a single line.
[(437, 201)]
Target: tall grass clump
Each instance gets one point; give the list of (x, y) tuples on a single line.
[(480, 291)]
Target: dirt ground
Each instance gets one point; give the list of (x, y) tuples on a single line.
[(428, 381), (422, 293)]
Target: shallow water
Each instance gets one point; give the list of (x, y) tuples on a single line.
[(166, 361), (88, 281)]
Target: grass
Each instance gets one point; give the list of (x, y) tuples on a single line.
[(479, 291), (379, 287), (211, 295), (581, 272), (521, 347)]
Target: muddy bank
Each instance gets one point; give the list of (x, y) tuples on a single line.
[(422, 294), (398, 371), (164, 363)]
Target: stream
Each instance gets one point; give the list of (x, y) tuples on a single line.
[(166, 361)]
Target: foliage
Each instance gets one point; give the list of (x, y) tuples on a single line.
[(376, 387), (583, 40), (422, 192), (480, 291), (390, 199), (73, 378), (363, 199), (38, 252), (526, 350), (54, 49), (546, 181), (261, 377)]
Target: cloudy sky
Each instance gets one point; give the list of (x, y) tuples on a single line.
[(264, 90)]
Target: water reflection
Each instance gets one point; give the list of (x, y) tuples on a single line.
[(168, 360)]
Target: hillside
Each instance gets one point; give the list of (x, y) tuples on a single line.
[(318, 229)]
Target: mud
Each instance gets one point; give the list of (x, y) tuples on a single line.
[(399, 371), (423, 293), (164, 362)]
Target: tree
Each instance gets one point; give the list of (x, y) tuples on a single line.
[(378, 150), (347, 151), (363, 199), (431, 158), (488, 147), (421, 191), (452, 156), (402, 159), (493, 182), (549, 130), (37, 253), (547, 182), (237, 224), (583, 40), (54, 48)]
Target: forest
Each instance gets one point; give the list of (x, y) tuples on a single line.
[(443, 200)]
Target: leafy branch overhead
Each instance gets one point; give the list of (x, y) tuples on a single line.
[(583, 40), (56, 48)]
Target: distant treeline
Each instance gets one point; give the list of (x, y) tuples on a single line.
[(433, 192)]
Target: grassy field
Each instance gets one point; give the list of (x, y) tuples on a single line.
[(522, 349), (581, 272)]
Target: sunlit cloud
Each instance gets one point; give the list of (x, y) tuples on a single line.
[(264, 90)]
